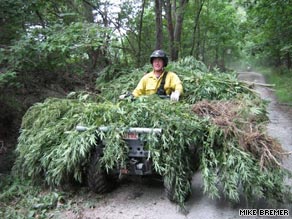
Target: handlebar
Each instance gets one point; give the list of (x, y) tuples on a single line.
[(131, 97), (81, 128), (164, 96)]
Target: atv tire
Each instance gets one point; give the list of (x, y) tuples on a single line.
[(97, 179)]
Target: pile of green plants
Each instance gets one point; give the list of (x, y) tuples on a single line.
[(23, 200), (218, 116), (20, 199), (199, 83)]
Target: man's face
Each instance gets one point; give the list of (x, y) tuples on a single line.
[(157, 64)]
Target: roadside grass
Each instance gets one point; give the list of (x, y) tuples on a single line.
[(283, 83), (22, 200)]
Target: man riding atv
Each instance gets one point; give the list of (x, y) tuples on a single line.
[(139, 156), (158, 81)]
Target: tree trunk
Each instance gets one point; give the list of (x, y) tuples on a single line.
[(87, 12), (158, 12), (140, 33), (175, 31), (97, 55), (203, 47), (288, 57), (198, 46), (170, 28), (216, 61), (178, 27), (222, 62), (196, 24)]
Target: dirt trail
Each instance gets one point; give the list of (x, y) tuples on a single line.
[(280, 126), (142, 201)]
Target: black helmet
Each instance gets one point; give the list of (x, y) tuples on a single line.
[(159, 54)]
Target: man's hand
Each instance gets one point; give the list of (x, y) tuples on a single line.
[(123, 96), (127, 95), (175, 96)]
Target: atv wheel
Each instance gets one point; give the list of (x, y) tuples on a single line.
[(97, 178)]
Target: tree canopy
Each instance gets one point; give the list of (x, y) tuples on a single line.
[(84, 36), (270, 31)]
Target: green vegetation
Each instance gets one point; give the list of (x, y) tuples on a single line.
[(223, 120), (68, 46), (282, 80), (22, 200)]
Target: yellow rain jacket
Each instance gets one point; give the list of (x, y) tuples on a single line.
[(149, 84)]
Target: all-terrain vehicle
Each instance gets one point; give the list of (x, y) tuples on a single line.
[(138, 163)]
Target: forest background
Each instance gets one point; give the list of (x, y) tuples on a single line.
[(50, 48)]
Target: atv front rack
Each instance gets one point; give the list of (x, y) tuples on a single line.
[(82, 128), (139, 162)]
